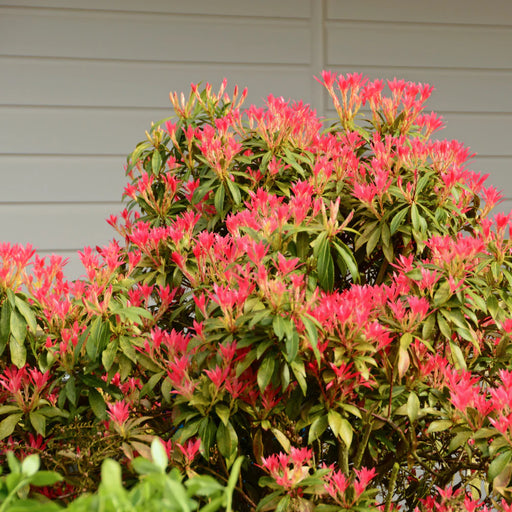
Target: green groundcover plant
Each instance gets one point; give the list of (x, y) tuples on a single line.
[(307, 314)]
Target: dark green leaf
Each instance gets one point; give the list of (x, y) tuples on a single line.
[(325, 266), (18, 326), (266, 372), (234, 191), (348, 257), (98, 338), (97, 403), (227, 440), (219, 199), (5, 325)]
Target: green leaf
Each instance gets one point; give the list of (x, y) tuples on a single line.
[(234, 190), (233, 479), (266, 372), (317, 428), (156, 162), (207, 433), (352, 409), (325, 265), (279, 326), (459, 440), (111, 479), (372, 241), (493, 306), (5, 325), (223, 413), (292, 345), (8, 424), (219, 199), (5, 409), (458, 356), (499, 464), (70, 389), (44, 478), (312, 335), (348, 257), (144, 467), (302, 243), (283, 440), (97, 403), (404, 360), (27, 313), (108, 355), (98, 338), (18, 353), (346, 432), (397, 220), (443, 293), (413, 406), (227, 440), (30, 465), (439, 426), (385, 234), (151, 383), (335, 422), (443, 326), (415, 217), (299, 371), (128, 348), (18, 326), (38, 422), (159, 454)]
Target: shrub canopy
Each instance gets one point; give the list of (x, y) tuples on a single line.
[(329, 299)]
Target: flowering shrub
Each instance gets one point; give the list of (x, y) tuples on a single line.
[(329, 301)]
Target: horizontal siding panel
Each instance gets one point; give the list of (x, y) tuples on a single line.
[(454, 90), (73, 131), (391, 44), (499, 171), (51, 179), (70, 131), (282, 8), (151, 37), (486, 135), (58, 226), (473, 130), (492, 12), (45, 81)]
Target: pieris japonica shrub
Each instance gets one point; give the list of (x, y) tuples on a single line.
[(329, 299)]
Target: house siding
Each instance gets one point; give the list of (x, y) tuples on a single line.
[(82, 80)]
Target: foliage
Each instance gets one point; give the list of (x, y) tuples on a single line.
[(155, 490), (331, 301)]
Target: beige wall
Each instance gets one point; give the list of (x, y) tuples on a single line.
[(80, 81)]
